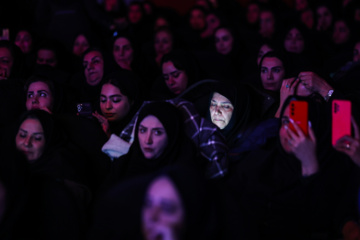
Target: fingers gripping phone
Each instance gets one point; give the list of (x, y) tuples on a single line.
[(299, 114), (341, 119)]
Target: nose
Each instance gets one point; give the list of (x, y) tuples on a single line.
[(155, 214), (90, 65), (171, 81), (108, 104), (270, 75), (28, 141), (149, 140), (217, 110), (121, 52), (35, 100)]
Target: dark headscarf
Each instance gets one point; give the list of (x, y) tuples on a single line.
[(243, 113), (177, 151)]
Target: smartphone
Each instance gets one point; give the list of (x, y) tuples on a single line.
[(299, 114), (84, 109), (341, 119)]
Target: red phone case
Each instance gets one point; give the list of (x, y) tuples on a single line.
[(341, 119), (299, 113)]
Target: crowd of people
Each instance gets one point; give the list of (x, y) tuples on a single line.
[(126, 120)]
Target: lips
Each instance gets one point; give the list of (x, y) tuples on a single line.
[(148, 149), (109, 115)]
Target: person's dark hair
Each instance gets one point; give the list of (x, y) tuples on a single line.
[(276, 54), (183, 61), (93, 49)]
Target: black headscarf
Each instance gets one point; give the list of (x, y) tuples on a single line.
[(179, 149), (243, 113)]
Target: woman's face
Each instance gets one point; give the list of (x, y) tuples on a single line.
[(294, 41), (163, 42), (221, 110), (267, 24), (301, 5), (39, 96), (252, 14), (324, 18), (81, 44), (262, 51), (212, 21), (113, 104), (175, 79), (356, 56), (24, 41), (341, 32), (307, 17), (123, 51), (197, 19), (223, 41), (93, 64), (152, 136), (272, 73), (163, 212), (284, 137), (30, 139), (6, 63), (135, 14)]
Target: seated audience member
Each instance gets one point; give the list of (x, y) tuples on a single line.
[(179, 71), (119, 101), (293, 187)]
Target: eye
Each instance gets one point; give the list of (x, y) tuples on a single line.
[(43, 94), (30, 95), (96, 61), (22, 135), (277, 70), (102, 99), (142, 130), (263, 70), (285, 121), (158, 132), (116, 99), (166, 77), (39, 138), (176, 74), (168, 208), (226, 106), (85, 64)]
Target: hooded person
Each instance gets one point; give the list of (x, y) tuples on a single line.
[(160, 141), (296, 186)]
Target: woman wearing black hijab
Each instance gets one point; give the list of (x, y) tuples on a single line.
[(298, 186), (159, 141)]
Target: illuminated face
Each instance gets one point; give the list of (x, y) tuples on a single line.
[(284, 137), (93, 64), (262, 51), (162, 209), (6, 63), (223, 41), (39, 96), (81, 44), (267, 24), (152, 137), (46, 57), (163, 42), (341, 32), (324, 18), (294, 41), (356, 56), (197, 19), (272, 73), (175, 79), (30, 139), (221, 110), (24, 41), (113, 104), (123, 52), (252, 14), (135, 14)]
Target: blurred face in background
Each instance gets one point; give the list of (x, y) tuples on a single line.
[(81, 44), (135, 14), (123, 52), (252, 14), (356, 56), (307, 17), (175, 79), (163, 211), (224, 41), (197, 19), (24, 41), (341, 32), (93, 64), (262, 51), (324, 18), (294, 41), (267, 24), (163, 42), (6, 63), (39, 96), (46, 57)]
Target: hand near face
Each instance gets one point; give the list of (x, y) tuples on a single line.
[(104, 123), (314, 83), (304, 148), (287, 89), (350, 145)]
